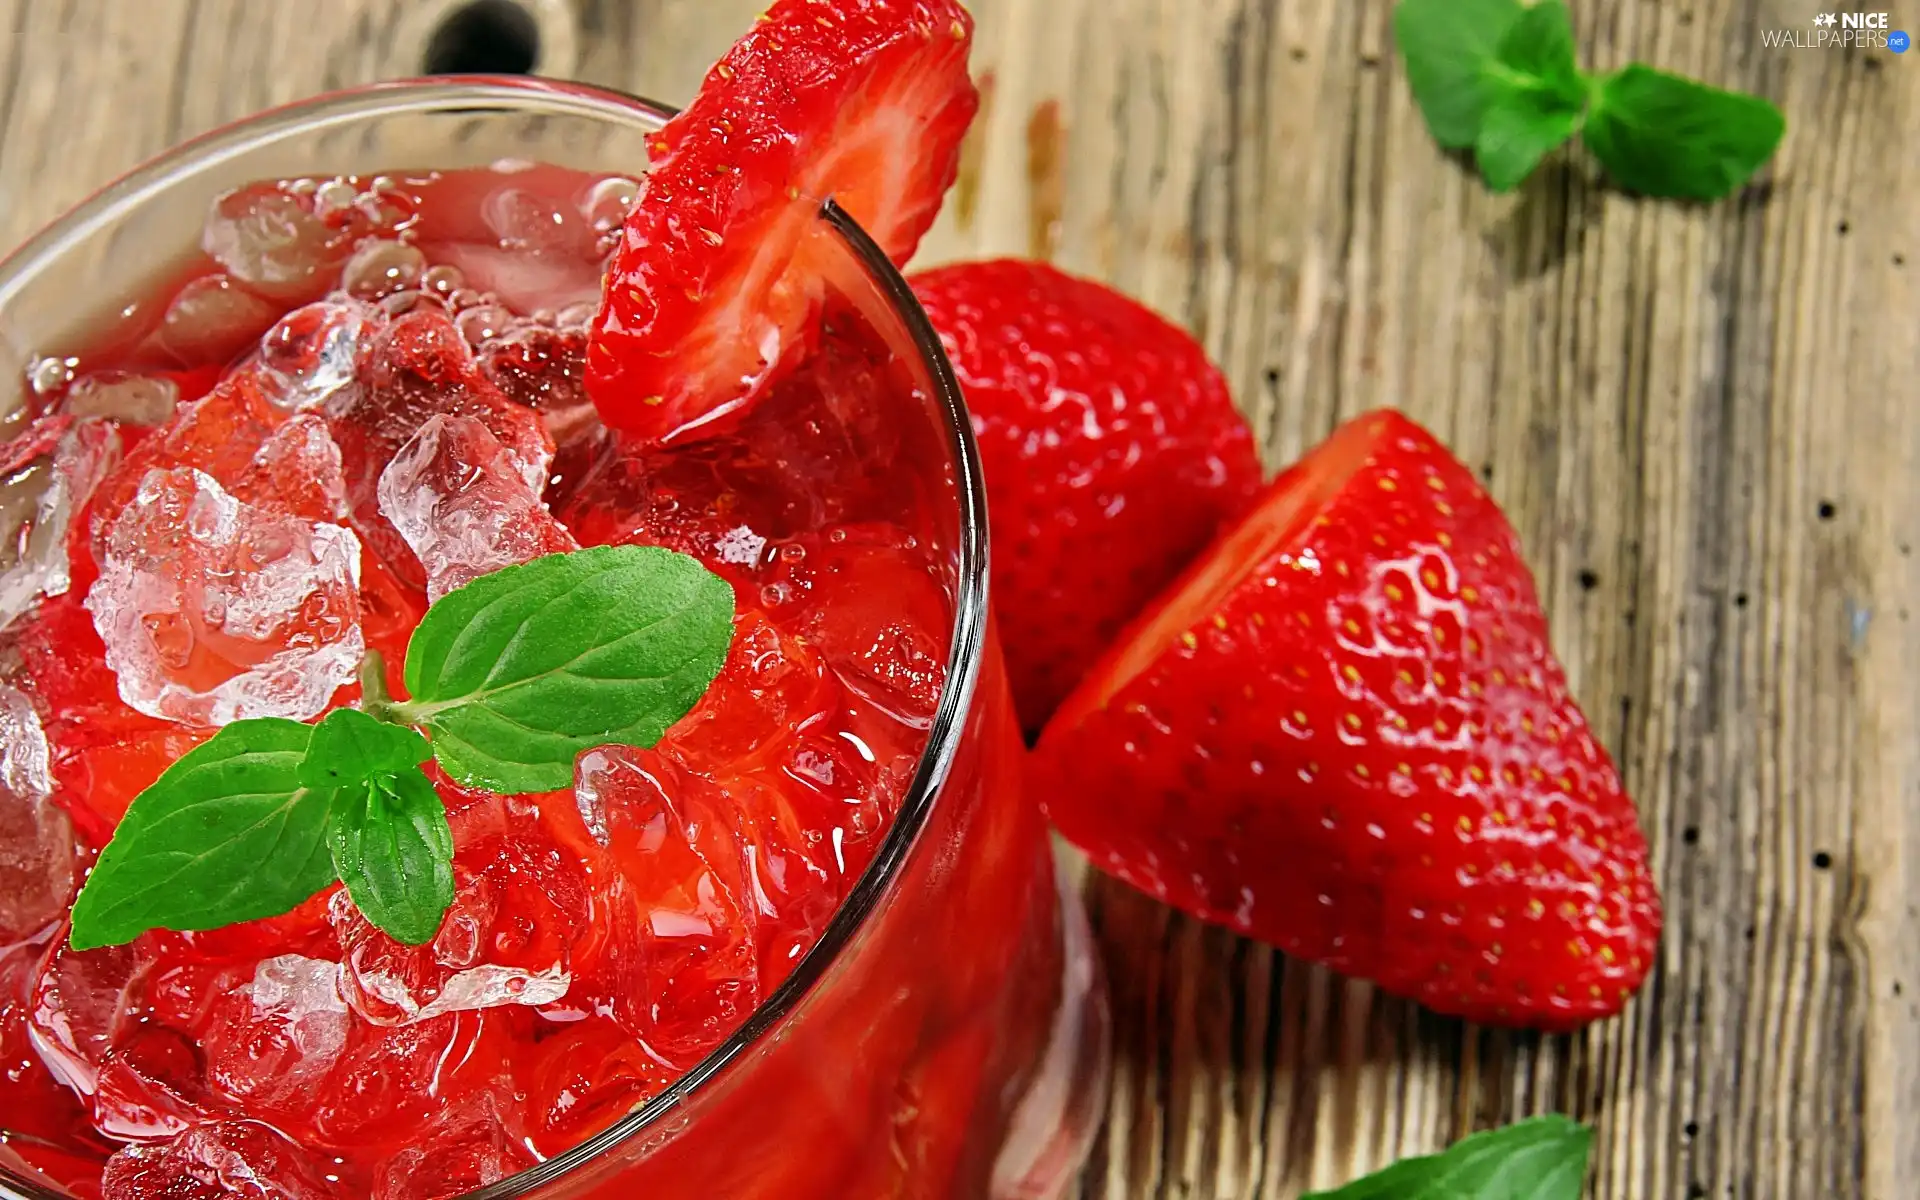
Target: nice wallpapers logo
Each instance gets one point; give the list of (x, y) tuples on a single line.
[(1839, 31)]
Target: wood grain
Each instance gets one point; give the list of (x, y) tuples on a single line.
[(1701, 418)]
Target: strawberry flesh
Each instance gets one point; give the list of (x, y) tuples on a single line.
[(721, 263), (1344, 732)]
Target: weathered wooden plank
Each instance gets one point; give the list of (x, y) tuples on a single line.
[(1701, 420)]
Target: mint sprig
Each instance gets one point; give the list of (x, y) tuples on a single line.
[(1543, 1158), (393, 849), (227, 833), (1536, 96), (1503, 78), (517, 672), (513, 675), (1447, 46), (1641, 115), (350, 747)]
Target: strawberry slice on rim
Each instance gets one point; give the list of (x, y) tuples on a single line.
[(720, 266)]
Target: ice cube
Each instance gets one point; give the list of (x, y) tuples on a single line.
[(213, 610), (311, 353), (83, 1001), (218, 433), (795, 876), (680, 896), (36, 838), (771, 684), (541, 368), (280, 1034), (273, 241), (216, 1161), (298, 471), (287, 1048), (529, 223), (868, 597), (120, 396), (415, 368), (394, 1080), (150, 1086), (213, 319), (505, 940), (740, 546), (457, 497), (466, 1150), (23, 747), (579, 1078), (46, 475), (526, 282), (593, 812)]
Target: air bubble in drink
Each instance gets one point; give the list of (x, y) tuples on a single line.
[(607, 202), (400, 303), (385, 210), (48, 375), (442, 280), (483, 323), (381, 268), (334, 196)]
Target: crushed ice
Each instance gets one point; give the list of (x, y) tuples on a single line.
[(461, 502), (311, 352), (215, 610), (36, 838), (49, 474)]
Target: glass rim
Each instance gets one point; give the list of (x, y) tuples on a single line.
[(967, 645)]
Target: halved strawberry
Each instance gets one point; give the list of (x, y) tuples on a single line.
[(1344, 732), (717, 275)]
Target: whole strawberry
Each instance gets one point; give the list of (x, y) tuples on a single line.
[(1344, 733), (1112, 452)]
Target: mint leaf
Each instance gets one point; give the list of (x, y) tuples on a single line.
[(1537, 55), (394, 851), (228, 833), (349, 747), (1536, 100), (1448, 46), (1544, 1158), (1516, 136), (517, 672), (1661, 135)]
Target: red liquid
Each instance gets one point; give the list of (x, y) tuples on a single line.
[(602, 943)]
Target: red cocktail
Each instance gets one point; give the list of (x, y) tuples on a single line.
[(285, 386)]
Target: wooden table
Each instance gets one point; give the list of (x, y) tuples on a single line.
[(1702, 420)]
